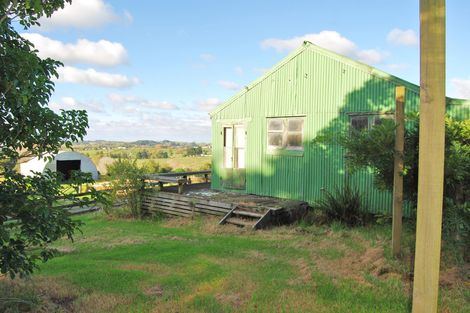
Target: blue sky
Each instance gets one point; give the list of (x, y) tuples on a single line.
[(154, 69)]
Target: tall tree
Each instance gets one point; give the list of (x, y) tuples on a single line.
[(28, 222)]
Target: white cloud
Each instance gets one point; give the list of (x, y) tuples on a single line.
[(69, 74), (69, 103), (209, 104), (83, 14), (462, 87), (102, 52), (229, 85), (371, 56), (330, 40), (402, 37), (207, 57), (133, 103)]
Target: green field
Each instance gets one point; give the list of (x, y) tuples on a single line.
[(179, 162), (184, 265)]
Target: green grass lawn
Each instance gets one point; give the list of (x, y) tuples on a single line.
[(183, 265)]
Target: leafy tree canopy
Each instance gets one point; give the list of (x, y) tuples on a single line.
[(28, 221)]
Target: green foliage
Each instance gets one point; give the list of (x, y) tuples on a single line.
[(28, 220), (456, 226), (154, 167), (345, 205), (162, 154), (144, 154), (193, 151), (374, 149), (127, 184)]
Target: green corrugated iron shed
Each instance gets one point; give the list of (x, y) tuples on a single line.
[(262, 137)]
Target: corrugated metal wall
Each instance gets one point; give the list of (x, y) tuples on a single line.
[(323, 87)]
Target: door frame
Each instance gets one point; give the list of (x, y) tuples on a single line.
[(235, 177)]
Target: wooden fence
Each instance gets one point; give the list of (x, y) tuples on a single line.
[(179, 205)]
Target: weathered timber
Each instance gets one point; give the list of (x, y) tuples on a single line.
[(398, 168), (168, 202), (240, 222), (263, 221)]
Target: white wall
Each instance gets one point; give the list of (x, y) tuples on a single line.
[(86, 165)]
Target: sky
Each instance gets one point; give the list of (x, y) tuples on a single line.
[(155, 69)]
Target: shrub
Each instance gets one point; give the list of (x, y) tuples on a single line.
[(456, 227), (127, 184), (374, 149), (343, 204)]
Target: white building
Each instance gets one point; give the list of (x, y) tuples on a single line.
[(64, 162)]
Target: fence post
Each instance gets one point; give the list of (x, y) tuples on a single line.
[(398, 170), (431, 156)]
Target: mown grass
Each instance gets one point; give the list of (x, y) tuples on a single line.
[(183, 265)]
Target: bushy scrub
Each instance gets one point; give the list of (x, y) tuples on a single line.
[(374, 149), (127, 182), (343, 204)]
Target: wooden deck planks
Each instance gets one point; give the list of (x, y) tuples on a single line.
[(175, 204)]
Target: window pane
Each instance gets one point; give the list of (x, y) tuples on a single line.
[(228, 136), (380, 118), (240, 158), (275, 139), (276, 124), (239, 137), (294, 140), (359, 122), (228, 158), (295, 124)]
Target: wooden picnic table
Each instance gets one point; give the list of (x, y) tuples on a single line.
[(180, 178)]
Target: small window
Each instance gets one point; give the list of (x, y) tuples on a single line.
[(364, 122), (359, 122), (285, 133)]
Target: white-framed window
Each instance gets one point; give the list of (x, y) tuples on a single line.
[(285, 133), (365, 121)]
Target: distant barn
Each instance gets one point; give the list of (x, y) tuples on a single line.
[(63, 162)]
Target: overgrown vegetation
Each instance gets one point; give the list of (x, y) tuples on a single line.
[(127, 183), (344, 204), (28, 220), (374, 149)]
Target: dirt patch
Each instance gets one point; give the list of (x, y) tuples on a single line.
[(97, 302), (304, 273), (233, 299), (455, 276), (155, 291), (124, 241), (173, 222), (64, 249), (353, 265), (38, 295)]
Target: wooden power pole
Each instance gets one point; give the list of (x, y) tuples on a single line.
[(431, 156), (398, 169)]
